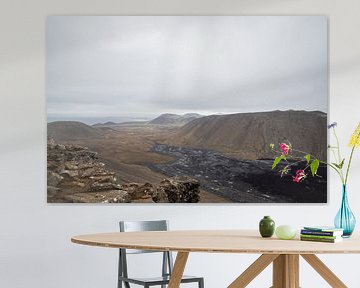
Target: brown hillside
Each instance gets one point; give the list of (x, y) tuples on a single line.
[(174, 119), (248, 135), (70, 130)]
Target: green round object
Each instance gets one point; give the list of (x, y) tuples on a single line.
[(285, 232), (266, 226)]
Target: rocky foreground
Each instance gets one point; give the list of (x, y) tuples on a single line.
[(76, 174)]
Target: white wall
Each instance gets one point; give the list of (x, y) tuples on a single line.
[(35, 248)]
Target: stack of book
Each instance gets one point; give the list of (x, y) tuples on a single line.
[(321, 234)]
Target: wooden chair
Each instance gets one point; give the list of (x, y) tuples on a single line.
[(167, 262)]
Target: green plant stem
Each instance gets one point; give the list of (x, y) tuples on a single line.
[(338, 145), (350, 159), (348, 166), (325, 163), (333, 152), (294, 163), (340, 159), (312, 156)]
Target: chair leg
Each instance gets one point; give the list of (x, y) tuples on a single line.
[(126, 284), (120, 270), (201, 283)]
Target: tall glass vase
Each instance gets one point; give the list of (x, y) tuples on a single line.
[(345, 219)]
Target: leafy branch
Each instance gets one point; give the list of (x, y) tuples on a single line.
[(312, 162)]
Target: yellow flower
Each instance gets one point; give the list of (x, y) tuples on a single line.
[(355, 138)]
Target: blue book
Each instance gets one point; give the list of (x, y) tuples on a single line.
[(322, 231)]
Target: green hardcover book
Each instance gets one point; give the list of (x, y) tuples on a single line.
[(321, 239), (319, 236)]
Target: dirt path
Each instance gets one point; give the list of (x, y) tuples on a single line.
[(207, 197)]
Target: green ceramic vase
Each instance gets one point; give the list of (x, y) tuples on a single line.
[(266, 227)]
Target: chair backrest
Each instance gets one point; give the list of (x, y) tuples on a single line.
[(134, 226)]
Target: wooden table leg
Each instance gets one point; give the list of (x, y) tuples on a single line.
[(324, 271), (286, 271), (253, 270), (293, 262), (178, 270)]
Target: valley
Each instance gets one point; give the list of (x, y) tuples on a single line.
[(228, 167)]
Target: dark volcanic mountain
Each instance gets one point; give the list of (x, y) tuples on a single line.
[(248, 135), (174, 119), (70, 130)]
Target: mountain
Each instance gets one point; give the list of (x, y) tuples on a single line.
[(70, 130), (248, 135), (174, 119), (109, 123)]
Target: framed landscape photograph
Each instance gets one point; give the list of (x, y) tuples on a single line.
[(183, 109)]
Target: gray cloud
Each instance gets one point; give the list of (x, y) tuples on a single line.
[(147, 65)]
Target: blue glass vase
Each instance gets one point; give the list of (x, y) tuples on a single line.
[(345, 219)]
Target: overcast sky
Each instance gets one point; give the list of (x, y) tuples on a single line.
[(134, 66)]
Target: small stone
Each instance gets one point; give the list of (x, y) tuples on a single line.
[(51, 191), (53, 179), (70, 173), (180, 189), (71, 166)]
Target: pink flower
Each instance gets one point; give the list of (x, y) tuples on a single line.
[(300, 175), (284, 148)]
